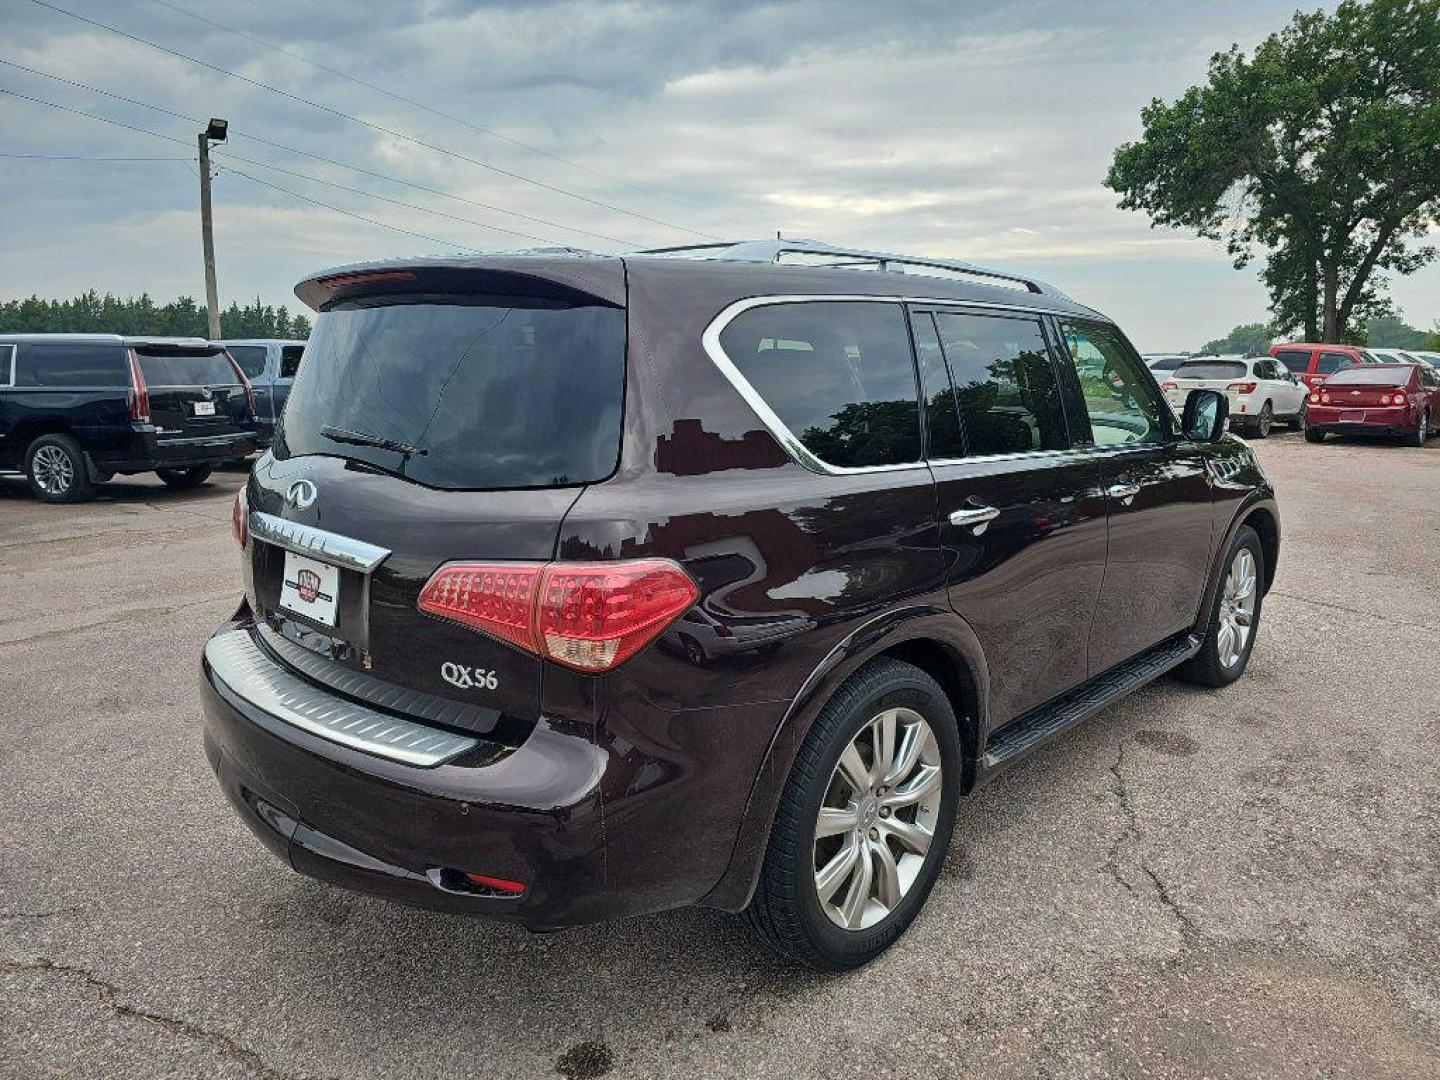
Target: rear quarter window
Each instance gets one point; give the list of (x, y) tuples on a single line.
[(62, 366), (186, 369)]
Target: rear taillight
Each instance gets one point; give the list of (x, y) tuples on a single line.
[(1241, 387), (139, 396), (1325, 399), (587, 616), (245, 382), (1314, 398), (240, 518), (1169, 384), (1400, 399)]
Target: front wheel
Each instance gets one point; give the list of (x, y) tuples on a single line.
[(1234, 615), (864, 820), (180, 479)]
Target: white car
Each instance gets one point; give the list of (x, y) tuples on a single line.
[(1431, 358), (1260, 388), (1394, 356)]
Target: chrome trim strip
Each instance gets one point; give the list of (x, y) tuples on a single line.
[(342, 551), (237, 662)]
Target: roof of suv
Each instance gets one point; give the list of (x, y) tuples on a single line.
[(889, 274), (102, 339)]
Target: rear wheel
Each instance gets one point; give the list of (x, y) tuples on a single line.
[(1297, 422), (864, 821), (1234, 615), (1314, 435), (180, 479), (55, 467), (1421, 433), (1265, 421)]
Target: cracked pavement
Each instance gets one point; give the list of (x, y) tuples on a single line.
[(1226, 884)]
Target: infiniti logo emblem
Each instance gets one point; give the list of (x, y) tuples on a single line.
[(300, 494)]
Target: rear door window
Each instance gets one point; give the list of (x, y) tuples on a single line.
[(290, 360), (1297, 360), (186, 369), (942, 411), (251, 359), (838, 375), (64, 366), (1331, 362), (464, 391), (1004, 382)]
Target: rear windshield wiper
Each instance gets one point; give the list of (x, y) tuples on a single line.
[(360, 438)]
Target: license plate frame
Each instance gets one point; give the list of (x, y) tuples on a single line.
[(204, 408), (311, 589), (1352, 416)]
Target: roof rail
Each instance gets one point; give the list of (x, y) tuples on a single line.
[(771, 251)]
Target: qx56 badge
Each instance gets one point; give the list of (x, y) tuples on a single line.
[(468, 678)]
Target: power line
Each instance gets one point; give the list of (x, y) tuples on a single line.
[(449, 117), (366, 123), (288, 172), (235, 132), (75, 157)]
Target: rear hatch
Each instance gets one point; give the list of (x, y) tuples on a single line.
[(436, 419), (195, 390), (1203, 375)]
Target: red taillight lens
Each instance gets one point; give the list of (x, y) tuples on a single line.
[(139, 396), (1401, 399), (240, 518), (588, 616), (1169, 384), (1325, 398), (485, 881), (1242, 387), (1314, 399)]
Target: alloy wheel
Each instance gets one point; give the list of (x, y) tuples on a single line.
[(53, 470), (1267, 419), (1237, 609), (877, 820)]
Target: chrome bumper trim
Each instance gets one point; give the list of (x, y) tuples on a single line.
[(252, 676), (343, 551)]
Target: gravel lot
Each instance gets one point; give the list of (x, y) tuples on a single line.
[(1240, 883)]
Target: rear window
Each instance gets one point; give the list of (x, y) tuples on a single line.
[(71, 366), (186, 369), (251, 359), (1373, 375), (1211, 369), (463, 392), (1297, 360)]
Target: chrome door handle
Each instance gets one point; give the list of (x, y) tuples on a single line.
[(1123, 492), (974, 515)]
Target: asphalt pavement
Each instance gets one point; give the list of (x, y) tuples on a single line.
[(1239, 883)]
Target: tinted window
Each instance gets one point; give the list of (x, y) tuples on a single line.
[(186, 369), (251, 359), (1331, 362), (1212, 369), (290, 360), (1167, 363), (838, 374), (1377, 375), (71, 365), (470, 391), (7, 356), (1120, 400), (942, 417), (1297, 360), (1004, 382)]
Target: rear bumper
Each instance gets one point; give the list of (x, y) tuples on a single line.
[(1390, 420), (563, 814), (147, 451)]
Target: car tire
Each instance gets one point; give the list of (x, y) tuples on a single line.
[(1315, 435), (182, 479), (1225, 653), (1422, 431), (56, 469), (1297, 422), (694, 651), (787, 911), (1264, 421)]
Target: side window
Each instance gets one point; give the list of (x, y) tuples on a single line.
[(71, 366), (1297, 360), (7, 365), (838, 374), (942, 417), (251, 359), (1119, 396), (290, 360), (1331, 362), (1004, 384)]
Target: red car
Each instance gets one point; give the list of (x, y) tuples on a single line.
[(1377, 399), (1312, 363)]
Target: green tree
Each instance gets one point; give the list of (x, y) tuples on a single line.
[(1393, 332), (1247, 339), (1322, 151), (91, 313)]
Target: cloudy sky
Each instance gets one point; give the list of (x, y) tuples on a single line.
[(946, 127)]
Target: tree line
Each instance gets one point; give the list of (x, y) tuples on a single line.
[(139, 316), (1381, 332)]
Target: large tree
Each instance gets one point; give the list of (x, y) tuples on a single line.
[(1321, 151)]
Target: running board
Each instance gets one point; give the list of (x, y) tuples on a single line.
[(1039, 724)]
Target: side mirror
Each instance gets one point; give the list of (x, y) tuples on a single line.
[(1205, 416)]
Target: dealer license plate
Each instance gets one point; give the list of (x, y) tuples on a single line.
[(310, 588), (204, 408)]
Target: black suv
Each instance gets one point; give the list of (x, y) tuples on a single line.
[(76, 409), (582, 587)]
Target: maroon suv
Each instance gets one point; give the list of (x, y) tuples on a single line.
[(579, 587)]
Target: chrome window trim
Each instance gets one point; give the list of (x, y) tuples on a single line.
[(710, 340), (343, 551)]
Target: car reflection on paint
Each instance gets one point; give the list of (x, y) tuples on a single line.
[(701, 637)]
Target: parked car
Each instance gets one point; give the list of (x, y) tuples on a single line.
[(270, 365), (1430, 358), (1392, 356), (76, 409), (1260, 390), (500, 481), (1160, 362), (1382, 399), (1312, 363)]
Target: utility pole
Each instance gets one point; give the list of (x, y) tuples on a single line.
[(215, 132)]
